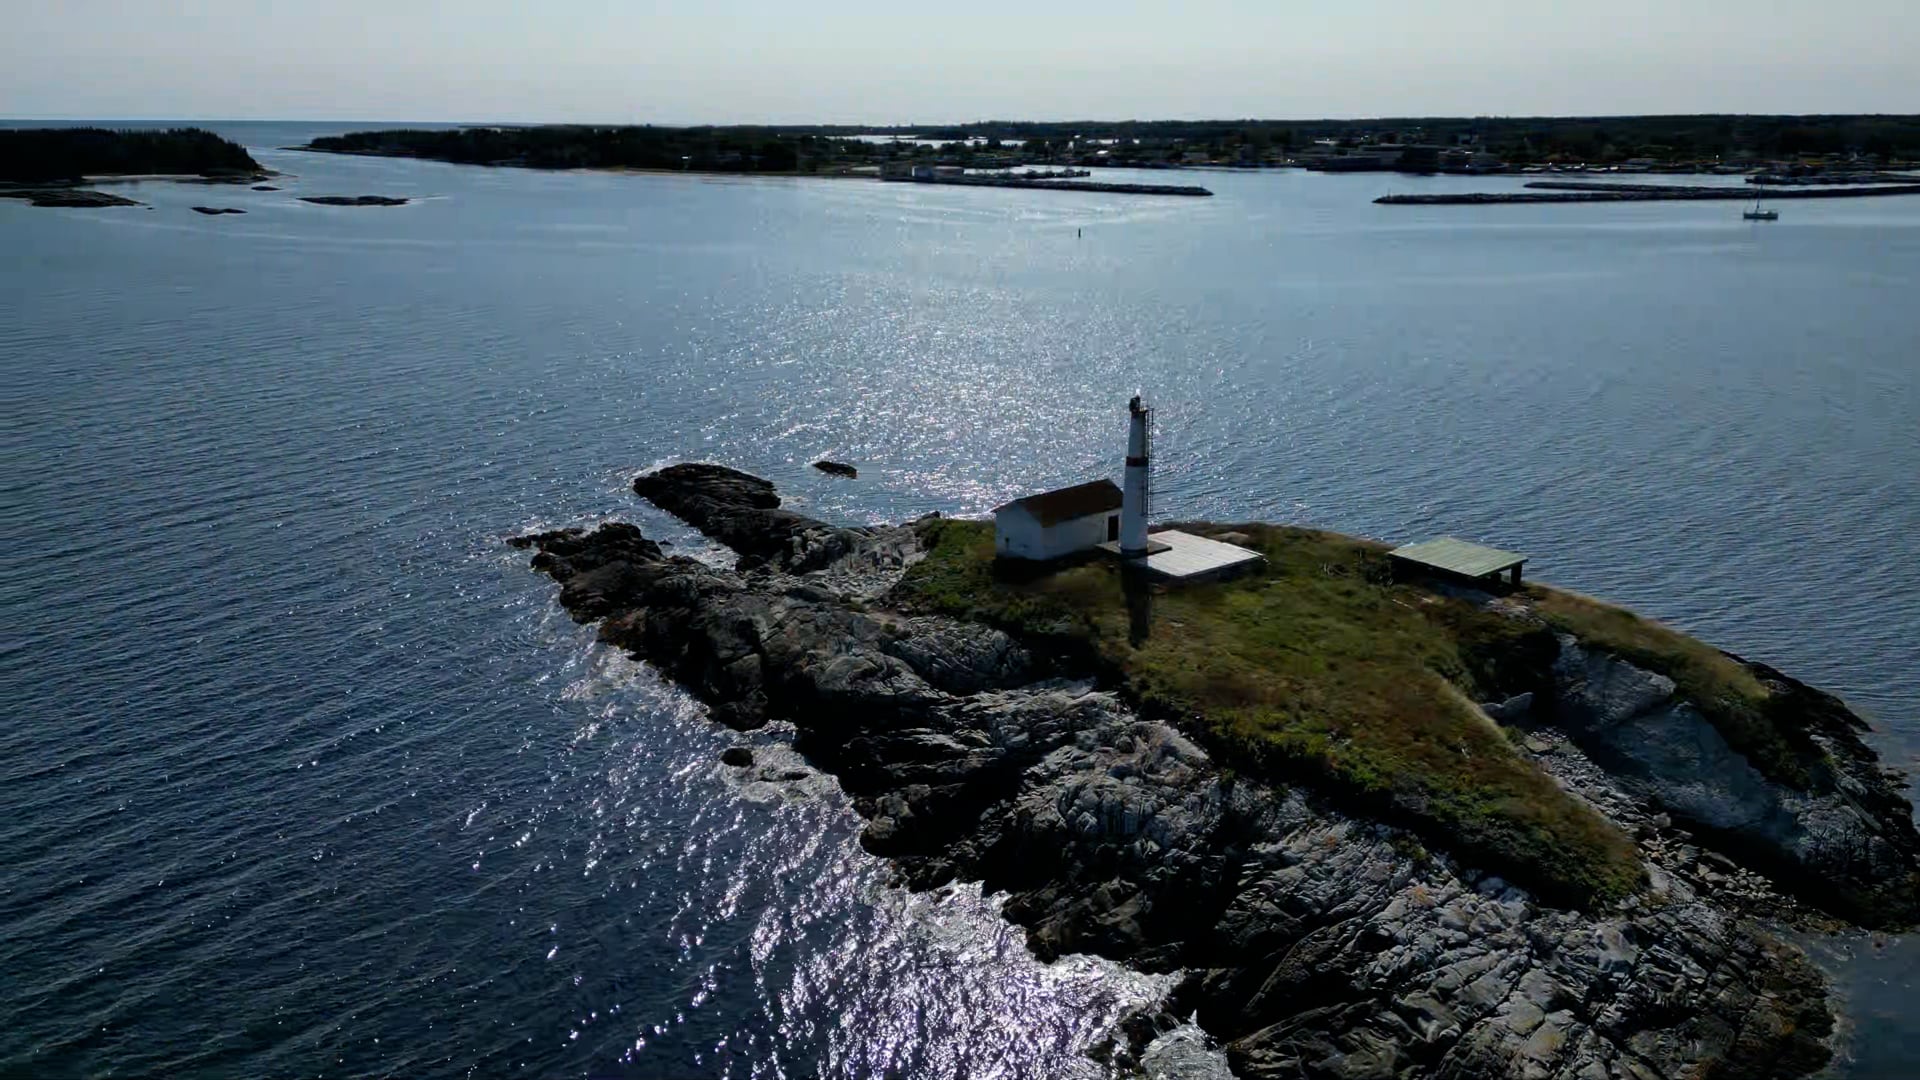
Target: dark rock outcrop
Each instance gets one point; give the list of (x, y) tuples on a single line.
[(743, 512), (354, 200), (739, 757), (215, 211), (837, 468), (1844, 840), (1314, 944)]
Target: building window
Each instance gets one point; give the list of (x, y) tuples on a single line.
[(1113, 526)]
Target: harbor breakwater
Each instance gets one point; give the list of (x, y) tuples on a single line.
[(1575, 191), (1055, 185)]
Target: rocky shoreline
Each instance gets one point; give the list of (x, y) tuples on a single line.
[(1313, 941)]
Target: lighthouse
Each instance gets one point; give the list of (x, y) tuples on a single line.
[(1136, 492)]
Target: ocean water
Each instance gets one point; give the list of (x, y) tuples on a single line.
[(304, 774)]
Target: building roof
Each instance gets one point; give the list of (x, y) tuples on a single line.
[(1459, 557), (1051, 508)]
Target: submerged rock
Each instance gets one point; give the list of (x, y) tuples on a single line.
[(1315, 943)]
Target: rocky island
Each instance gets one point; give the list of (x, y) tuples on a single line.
[(355, 200), (1382, 829)]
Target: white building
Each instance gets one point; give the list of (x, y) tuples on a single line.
[(1056, 523), (1099, 515)]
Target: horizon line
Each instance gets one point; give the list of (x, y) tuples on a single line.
[(898, 126)]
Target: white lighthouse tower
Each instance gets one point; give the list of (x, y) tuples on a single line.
[(1136, 493)]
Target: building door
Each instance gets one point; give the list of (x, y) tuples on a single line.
[(1113, 527)]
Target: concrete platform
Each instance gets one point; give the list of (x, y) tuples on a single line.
[(1182, 556)]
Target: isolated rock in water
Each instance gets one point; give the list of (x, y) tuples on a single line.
[(217, 210), (82, 198), (835, 468), (354, 200), (737, 756), (265, 187)]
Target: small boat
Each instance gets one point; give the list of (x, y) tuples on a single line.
[(1757, 214)]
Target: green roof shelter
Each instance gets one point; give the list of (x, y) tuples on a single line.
[(1449, 557)]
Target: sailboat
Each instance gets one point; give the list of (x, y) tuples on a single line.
[(1757, 214)]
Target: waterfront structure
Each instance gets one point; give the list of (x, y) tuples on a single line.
[(1448, 557), (1054, 524)]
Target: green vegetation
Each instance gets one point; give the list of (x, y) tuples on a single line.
[(43, 155), (1317, 668), (1724, 690), (1521, 140), (1678, 141), (705, 149)]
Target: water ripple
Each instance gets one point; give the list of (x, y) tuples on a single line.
[(306, 773)]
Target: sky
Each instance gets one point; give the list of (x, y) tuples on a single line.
[(917, 63)]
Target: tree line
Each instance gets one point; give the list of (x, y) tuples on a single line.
[(1517, 139), (44, 155), (806, 148), (707, 149)]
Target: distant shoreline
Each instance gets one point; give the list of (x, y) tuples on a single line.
[(636, 170), (1097, 186)]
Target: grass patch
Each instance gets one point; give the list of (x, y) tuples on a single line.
[(1735, 702), (1316, 667)]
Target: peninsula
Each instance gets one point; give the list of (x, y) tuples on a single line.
[(1383, 828), (70, 155), (48, 166)]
